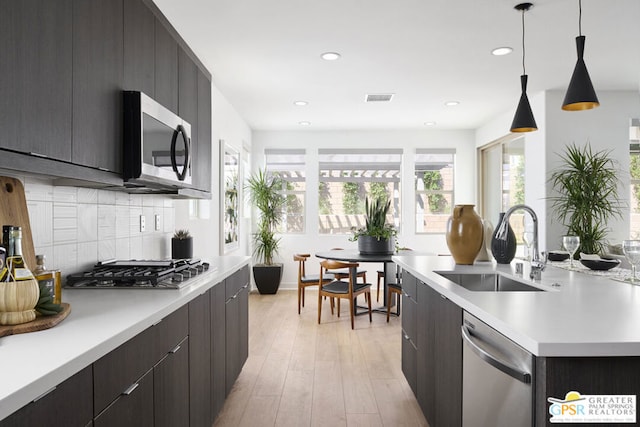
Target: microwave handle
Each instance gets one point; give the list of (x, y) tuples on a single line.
[(187, 155)]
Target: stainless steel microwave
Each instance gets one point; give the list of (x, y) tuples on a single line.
[(157, 145)]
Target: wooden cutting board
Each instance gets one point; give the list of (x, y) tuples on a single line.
[(13, 211), (40, 323)]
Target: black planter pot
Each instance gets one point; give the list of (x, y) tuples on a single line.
[(182, 248), (503, 250), (267, 277), (368, 245)]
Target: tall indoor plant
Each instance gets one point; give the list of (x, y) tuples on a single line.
[(587, 195), (377, 236), (264, 193)]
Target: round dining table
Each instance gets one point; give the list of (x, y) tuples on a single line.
[(390, 273)]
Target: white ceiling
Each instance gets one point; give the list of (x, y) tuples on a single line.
[(265, 54)]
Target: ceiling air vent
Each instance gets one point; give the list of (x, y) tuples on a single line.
[(379, 97)]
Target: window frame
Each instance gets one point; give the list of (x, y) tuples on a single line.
[(418, 193)]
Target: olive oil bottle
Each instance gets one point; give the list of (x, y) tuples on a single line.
[(17, 268), (49, 278)]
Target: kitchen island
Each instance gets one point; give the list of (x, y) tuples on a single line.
[(101, 320), (583, 332)]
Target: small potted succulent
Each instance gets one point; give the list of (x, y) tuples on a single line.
[(377, 236), (181, 245)]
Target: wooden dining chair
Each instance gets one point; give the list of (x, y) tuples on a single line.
[(341, 289), (393, 288), (305, 280), (344, 274)]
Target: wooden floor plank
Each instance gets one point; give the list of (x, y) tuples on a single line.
[(300, 373)]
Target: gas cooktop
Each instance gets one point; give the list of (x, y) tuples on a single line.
[(138, 274)]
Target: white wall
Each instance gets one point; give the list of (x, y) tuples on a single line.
[(311, 241), (228, 126), (605, 128)]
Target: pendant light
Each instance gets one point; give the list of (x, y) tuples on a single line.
[(523, 120), (580, 93)]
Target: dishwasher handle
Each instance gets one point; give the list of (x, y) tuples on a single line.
[(512, 371)]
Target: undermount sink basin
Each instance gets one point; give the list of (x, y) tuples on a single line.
[(488, 282)]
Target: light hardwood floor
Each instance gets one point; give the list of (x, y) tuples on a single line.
[(300, 373)]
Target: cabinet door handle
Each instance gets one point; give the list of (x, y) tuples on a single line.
[(176, 349), (132, 387), (44, 394), (44, 156)]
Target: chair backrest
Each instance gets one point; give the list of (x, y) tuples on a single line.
[(301, 259), (329, 264)]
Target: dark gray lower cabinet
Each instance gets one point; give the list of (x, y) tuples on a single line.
[(218, 349), (133, 408), (237, 323), (171, 388), (438, 354), (200, 360), (158, 356), (68, 404), (409, 332)]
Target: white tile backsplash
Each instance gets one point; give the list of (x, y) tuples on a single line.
[(75, 227), (87, 223)]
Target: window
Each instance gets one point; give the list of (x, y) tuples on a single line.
[(503, 168), (434, 189), (290, 166), (347, 177)]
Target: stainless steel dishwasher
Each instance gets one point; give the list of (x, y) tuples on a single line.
[(497, 378)]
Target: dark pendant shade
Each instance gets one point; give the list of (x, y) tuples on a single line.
[(523, 120), (580, 94)]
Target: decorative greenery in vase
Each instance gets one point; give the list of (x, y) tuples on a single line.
[(264, 193), (375, 221), (587, 187)]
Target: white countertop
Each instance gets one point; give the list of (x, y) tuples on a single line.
[(100, 321), (585, 316)]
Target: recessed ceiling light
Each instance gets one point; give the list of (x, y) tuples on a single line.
[(500, 51), (304, 123), (451, 103), (300, 103), (330, 56), (429, 123)]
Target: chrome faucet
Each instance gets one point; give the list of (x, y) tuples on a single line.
[(537, 265)]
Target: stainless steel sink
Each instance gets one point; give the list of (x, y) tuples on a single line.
[(488, 282)]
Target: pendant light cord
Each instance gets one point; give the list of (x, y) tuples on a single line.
[(523, 69), (580, 17)]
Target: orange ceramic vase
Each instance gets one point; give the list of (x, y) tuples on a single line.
[(464, 234)]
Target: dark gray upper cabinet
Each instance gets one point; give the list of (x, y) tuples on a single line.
[(139, 47), (35, 83), (202, 157), (166, 68), (97, 83), (63, 67)]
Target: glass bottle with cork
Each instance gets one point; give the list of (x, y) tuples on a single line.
[(50, 278), (16, 267)]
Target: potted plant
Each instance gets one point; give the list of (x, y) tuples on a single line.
[(264, 193), (587, 195), (377, 236), (181, 245)]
